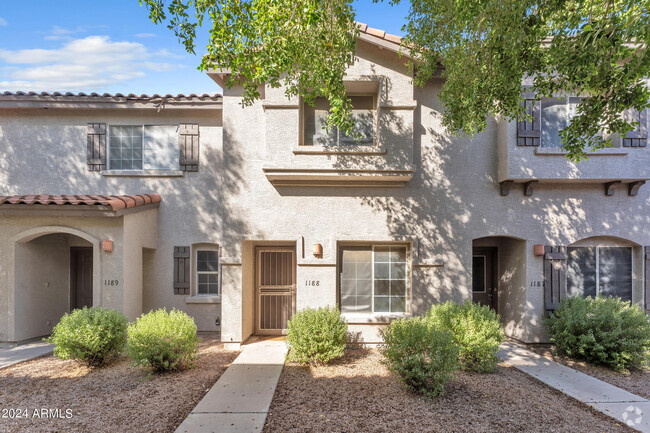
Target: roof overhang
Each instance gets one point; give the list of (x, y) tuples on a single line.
[(77, 205), (109, 101)]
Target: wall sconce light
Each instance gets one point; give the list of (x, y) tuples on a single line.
[(539, 249), (318, 250), (107, 246)]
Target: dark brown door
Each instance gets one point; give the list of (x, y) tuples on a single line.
[(81, 277), (484, 280), (275, 289)]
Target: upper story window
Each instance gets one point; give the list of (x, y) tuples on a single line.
[(143, 147), (556, 115), (600, 270), (364, 112), (374, 279)]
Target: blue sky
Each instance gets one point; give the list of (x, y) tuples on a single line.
[(112, 46)]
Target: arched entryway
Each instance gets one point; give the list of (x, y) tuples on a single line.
[(54, 273)]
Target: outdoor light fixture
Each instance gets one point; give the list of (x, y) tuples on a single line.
[(318, 250), (107, 246), (539, 249)]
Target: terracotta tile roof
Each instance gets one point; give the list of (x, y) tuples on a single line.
[(116, 202), (109, 97), (381, 34)]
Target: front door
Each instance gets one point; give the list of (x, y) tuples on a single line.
[(484, 287), (81, 277), (275, 289)]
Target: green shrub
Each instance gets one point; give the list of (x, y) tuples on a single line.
[(90, 335), (317, 335), (163, 341), (422, 356), (476, 329), (602, 330)]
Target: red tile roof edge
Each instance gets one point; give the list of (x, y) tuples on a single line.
[(116, 202), (378, 33), (110, 97)]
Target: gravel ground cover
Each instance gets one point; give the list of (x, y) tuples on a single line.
[(358, 394), (116, 398), (636, 381)]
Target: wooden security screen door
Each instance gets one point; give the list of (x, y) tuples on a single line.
[(81, 277), (484, 280), (275, 289)]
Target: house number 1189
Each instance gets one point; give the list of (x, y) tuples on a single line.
[(312, 282), (111, 282)]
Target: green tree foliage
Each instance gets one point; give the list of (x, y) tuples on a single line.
[(597, 49)]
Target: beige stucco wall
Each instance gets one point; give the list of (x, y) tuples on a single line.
[(453, 198), (54, 162)]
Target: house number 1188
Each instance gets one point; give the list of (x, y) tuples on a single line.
[(312, 282)]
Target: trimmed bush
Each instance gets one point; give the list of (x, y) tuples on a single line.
[(602, 330), (317, 335), (89, 335), (422, 356), (163, 341), (476, 329)]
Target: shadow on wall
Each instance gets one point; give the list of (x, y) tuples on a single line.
[(428, 210)]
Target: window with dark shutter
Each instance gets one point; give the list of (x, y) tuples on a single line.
[(638, 137), (181, 270), (529, 130), (96, 147), (188, 141), (555, 279)]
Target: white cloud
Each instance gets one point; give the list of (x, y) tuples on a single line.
[(57, 33), (3, 22), (145, 35), (87, 64)]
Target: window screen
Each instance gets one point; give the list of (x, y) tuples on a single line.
[(605, 271), (363, 113), (207, 272), (125, 148), (373, 279), (149, 147)]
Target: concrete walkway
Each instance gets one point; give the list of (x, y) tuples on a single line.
[(24, 352), (240, 400), (624, 406)]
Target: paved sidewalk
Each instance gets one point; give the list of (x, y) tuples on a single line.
[(24, 352), (240, 400), (617, 403)]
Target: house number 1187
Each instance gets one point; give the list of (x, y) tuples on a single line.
[(312, 282)]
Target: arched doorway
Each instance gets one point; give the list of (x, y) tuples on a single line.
[(53, 274)]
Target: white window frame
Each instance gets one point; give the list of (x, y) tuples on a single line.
[(142, 127), (375, 123), (197, 272), (407, 280), (598, 247)]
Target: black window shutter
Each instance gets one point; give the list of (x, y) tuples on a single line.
[(96, 147), (638, 137), (529, 131), (188, 142), (555, 281), (182, 270), (646, 283)]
